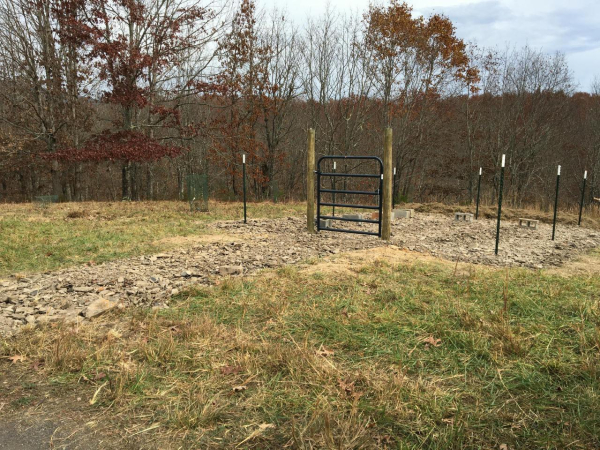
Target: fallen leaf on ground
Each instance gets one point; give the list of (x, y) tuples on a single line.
[(17, 358), (432, 341), (240, 388), (37, 364), (261, 428), (324, 352), (230, 370)]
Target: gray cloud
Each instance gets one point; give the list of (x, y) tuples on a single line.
[(569, 27)]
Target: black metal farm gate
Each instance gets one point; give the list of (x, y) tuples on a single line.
[(334, 191)]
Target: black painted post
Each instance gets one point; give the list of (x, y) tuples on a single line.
[(394, 190), (478, 192), (244, 183), (333, 180), (500, 203), (555, 203), (582, 197)]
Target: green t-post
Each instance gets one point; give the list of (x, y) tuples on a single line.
[(582, 197), (555, 203), (244, 183), (500, 203)]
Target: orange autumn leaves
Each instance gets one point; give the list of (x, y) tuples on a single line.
[(414, 54)]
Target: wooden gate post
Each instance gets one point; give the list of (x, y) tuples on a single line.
[(310, 181), (386, 213)]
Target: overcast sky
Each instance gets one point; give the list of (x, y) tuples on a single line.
[(569, 26)]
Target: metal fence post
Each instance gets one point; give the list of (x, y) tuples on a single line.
[(333, 182), (555, 204), (478, 193), (244, 183), (394, 190), (582, 197), (500, 203)]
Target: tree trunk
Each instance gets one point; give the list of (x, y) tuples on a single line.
[(149, 182), (126, 183), (56, 181)]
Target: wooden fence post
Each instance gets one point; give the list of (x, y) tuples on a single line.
[(386, 213), (310, 181)]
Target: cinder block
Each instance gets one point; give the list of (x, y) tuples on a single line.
[(528, 223), (324, 223), (403, 213), (463, 217), (352, 216)]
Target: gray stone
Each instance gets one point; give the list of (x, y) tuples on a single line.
[(231, 270), (83, 289), (353, 216), (528, 223), (325, 223), (403, 213), (463, 217), (99, 306)]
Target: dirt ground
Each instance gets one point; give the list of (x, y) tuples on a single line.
[(233, 248)]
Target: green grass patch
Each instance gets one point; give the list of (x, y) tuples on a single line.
[(62, 235), (409, 356)]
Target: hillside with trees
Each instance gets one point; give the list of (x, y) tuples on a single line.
[(124, 99)]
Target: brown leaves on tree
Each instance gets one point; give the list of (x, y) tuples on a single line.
[(119, 146), (413, 54)]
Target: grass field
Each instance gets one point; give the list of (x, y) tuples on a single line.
[(34, 239), (392, 355), (370, 352)]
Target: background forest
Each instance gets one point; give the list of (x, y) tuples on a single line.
[(124, 99)]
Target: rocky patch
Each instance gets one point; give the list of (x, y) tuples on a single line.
[(82, 293)]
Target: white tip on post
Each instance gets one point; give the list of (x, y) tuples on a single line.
[(334, 165), (243, 159), (503, 160), (585, 175), (480, 170), (394, 171), (558, 170)]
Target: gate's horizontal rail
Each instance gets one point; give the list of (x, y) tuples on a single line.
[(345, 205), (341, 230), (337, 191), (351, 175), (346, 219)]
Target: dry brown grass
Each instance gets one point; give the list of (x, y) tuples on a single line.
[(388, 355), (568, 216)]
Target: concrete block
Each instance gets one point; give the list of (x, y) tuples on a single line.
[(324, 223), (352, 216), (403, 213), (463, 217), (528, 223)]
